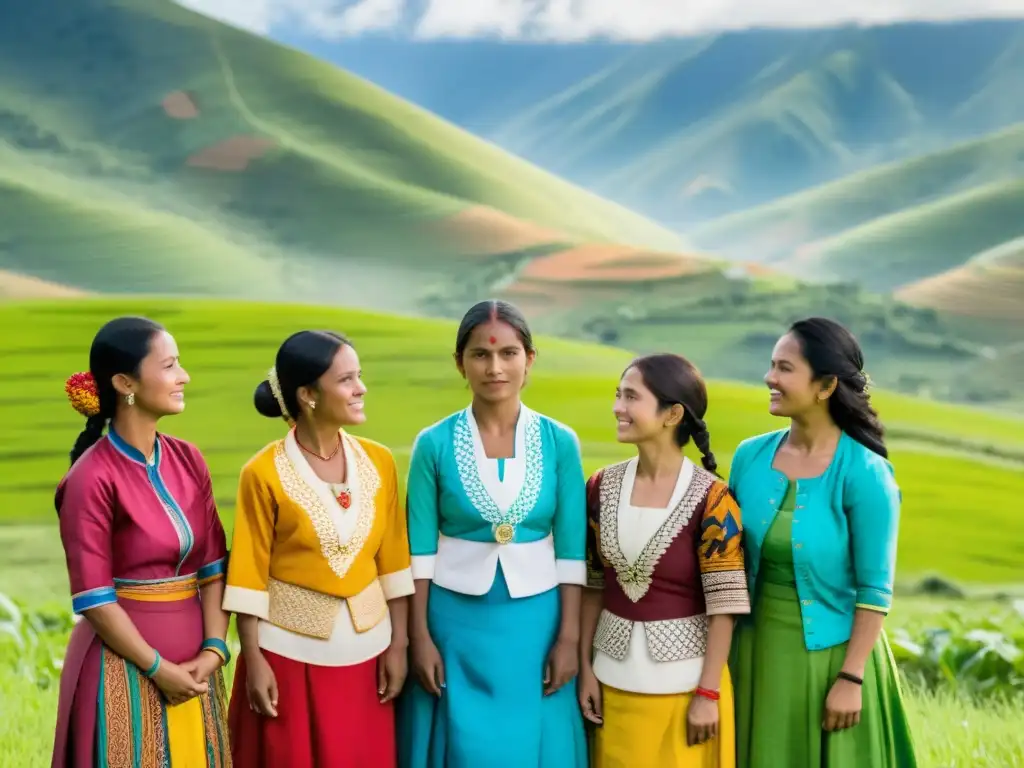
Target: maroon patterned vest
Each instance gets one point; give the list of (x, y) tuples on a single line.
[(665, 581)]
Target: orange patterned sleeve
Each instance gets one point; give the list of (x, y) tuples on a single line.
[(721, 554)]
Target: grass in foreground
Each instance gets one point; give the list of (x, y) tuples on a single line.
[(949, 731)]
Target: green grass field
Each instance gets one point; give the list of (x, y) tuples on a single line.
[(227, 348)]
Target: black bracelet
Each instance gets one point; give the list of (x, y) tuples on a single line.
[(850, 678)]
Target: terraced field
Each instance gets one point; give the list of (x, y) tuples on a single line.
[(990, 286)]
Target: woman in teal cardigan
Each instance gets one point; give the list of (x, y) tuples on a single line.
[(816, 684)]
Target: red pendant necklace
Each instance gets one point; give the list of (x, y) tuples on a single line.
[(342, 493)]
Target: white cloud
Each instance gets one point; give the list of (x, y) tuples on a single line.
[(324, 18), (254, 15), (573, 20)]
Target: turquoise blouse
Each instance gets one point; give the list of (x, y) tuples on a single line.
[(845, 527), (446, 496)]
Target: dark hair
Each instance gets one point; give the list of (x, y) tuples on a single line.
[(833, 352), (118, 347), (302, 359), (674, 380), (489, 311)]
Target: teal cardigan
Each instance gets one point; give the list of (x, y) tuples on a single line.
[(844, 531)]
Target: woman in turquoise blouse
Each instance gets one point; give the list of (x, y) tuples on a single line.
[(816, 685), (497, 528)]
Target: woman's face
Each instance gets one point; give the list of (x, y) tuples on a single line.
[(339, 391), (495, 362), (794, 390), (638, 415), (159, 388)]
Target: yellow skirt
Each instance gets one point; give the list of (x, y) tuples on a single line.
[(649, 731), (186, 734)]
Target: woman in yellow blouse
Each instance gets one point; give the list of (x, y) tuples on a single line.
[(319, 574)]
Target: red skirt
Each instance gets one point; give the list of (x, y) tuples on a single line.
[(327, 717)]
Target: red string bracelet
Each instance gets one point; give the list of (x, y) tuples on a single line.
[(707, 694)]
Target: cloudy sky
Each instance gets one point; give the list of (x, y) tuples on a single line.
[(570, 20)]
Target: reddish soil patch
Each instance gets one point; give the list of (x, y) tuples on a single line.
[(180, 106), (608, 262), (972, 291), (754, 269), (17, 286), (232, 154), (483, 231)]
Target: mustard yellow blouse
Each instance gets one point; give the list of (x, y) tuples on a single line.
[(298, 556)]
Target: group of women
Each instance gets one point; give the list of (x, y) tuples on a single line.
[(513, 614)]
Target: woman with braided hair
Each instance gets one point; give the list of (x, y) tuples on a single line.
[(816, 685), (665, 577), (141, 682)]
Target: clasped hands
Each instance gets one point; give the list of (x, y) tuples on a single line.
[(181, 682)]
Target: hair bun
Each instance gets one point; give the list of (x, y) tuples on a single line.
[(83, 394), (265, 401)]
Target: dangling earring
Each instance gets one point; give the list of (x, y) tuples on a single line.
[(130, 398), (312, 405)]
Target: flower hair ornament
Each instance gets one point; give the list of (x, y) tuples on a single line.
[(275, 388), (83, 394), (868, 383)]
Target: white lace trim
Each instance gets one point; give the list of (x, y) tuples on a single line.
[(469, 471)]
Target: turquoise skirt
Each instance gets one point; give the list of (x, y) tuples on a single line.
[(493, 711)]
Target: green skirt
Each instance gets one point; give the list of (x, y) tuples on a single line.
[(781, 689)]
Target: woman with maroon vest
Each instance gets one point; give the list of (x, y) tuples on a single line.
[(665, 577)]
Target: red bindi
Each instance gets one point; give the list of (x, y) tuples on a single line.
[(493, 340)]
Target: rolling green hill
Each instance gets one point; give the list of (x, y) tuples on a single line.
[(917, 242), (146, 147), (776, 231), (228, 346)]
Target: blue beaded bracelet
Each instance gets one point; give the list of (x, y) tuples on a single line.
[(156, 665), (218, 646)]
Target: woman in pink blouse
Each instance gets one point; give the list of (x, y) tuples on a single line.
[(142, 681)]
